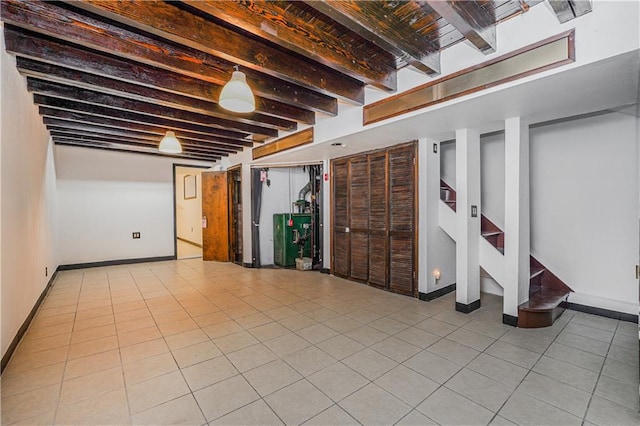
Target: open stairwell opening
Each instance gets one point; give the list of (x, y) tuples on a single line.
[(548, 294)]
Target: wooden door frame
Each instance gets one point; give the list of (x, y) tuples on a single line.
[(230, 170), (175, 215)]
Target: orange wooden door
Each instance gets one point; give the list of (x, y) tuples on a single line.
[(215, 212)]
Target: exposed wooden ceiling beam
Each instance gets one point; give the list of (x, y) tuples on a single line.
[(136, 137), (51, 72), (50, 19), (124, 128), (131, 149), (370, 20), (135, 142), (304, 33), (473, 21), (567, 10), (101, 115), (117, 107), (154, 105), (172, 23)]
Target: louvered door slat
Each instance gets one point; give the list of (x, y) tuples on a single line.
[(359, 218), (340, 263)]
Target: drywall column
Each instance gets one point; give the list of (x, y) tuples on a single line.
[(467, 220), (516, 218), (428, 216)]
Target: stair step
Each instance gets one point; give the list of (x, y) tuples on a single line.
[(535, 272), (545, 300), (491, 234)]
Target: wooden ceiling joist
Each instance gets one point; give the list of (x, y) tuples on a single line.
[(475, 23), (143, 131), (129, 137), (292, 27), (151, 104), (101, 114), (372, 21), (130, 149), (111, 106), (170, 22)]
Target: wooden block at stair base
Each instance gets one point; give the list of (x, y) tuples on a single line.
[(538, 319)]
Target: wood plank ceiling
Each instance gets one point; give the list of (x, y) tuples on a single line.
[(118, 74)]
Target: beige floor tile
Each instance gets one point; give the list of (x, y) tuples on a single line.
[(407, 385), (338, 381), (253, 320), (502, 371), (417, 337), (23, 362), (447, 407), (297, 322), (180, 411), (460, 354), (129, 306), (287, 344), (622, 371), (132, 315), (91, 386), (567, 373), (196, 353), (207, 373), (480, 389), (25, 405), (50, 330), (370, 363), (584, 343), (148, 368), (211, 318), (278, 314), (251, 357), (143, 350), (269, 331), (333, 415), (373, 405), (109, 408), (432, 366), (235, 342), (555, 393), (153, 392), (30, 345), (298, 402), (27, 380), (310, 360), (46, 321), (271, 377), (523, 409), (93, 322), (170, 328), (366, 335), (138, 336), (88, 334), (45, 419), (396, 349), (416, 418), (514, 354), (342, 323), (257, 413), (224, 397), (135, 324), (620, 392), (91, 347), (92, 364), (188, 338), (222, 329)]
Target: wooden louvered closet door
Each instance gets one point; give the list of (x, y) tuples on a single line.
[(340, 222), (359, 218), (401, 219), (374, 218)]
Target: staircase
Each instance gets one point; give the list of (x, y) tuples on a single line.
[(547, 292)]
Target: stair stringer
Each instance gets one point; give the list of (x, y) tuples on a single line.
[(491, 260)]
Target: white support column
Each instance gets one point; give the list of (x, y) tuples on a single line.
[(467, 227), (428, 208), (516, 218)]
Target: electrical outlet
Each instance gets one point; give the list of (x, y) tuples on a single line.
[(136, 235), (474, 211)]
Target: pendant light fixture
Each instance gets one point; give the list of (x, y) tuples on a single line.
[(170, 144), (236, 95)]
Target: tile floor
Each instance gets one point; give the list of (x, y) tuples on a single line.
[(189, 342)]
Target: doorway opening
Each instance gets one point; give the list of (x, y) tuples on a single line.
[(287, 216), (188, 211)]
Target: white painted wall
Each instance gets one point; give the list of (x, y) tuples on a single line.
[(27, 202), (448, 162), (189, 212), (105, 196), (286, 182), (493, 177), (584, 207)]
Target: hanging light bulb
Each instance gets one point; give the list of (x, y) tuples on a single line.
[(170, 144), (236, 95)]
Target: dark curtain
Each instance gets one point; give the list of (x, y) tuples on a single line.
[(256, 203)]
